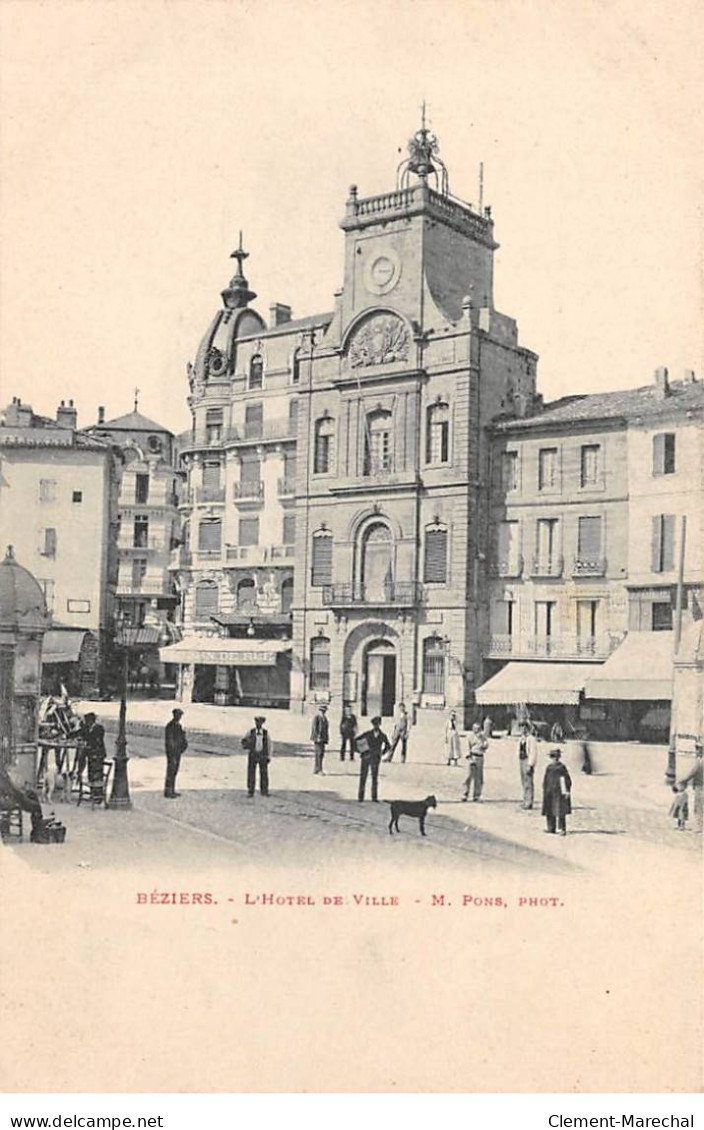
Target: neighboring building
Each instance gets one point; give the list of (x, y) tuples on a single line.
[(58, 508), (148, 528), (354, 443)]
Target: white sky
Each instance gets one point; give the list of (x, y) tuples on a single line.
[(138, 138)]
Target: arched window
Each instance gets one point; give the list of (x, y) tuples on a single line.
[(246, 595), (435, 562), (256, 371), (378, 443), (296, 366), (320, 663), (376, 571), (433, 665), (437, 434), (321, 570), (323, 445), (286, 595), (206, 600)]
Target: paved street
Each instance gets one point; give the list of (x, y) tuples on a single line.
[(313, 821)]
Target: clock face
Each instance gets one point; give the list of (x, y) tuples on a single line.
[(382, 272)]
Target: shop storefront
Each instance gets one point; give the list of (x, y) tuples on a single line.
[(232, 672)]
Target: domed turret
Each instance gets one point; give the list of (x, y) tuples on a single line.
[(22, 603)]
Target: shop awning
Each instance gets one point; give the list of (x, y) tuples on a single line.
[(640, 668), (140, 637), (544, 683), (62, 647), (224, 653)]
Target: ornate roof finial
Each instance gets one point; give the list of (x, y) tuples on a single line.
[(423, 159), (238, 294), (136, 400)]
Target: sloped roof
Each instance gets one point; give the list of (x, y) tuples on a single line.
[(294, 325), (132, 422), (624, 404)]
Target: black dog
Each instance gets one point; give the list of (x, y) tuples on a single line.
[(417, 808)]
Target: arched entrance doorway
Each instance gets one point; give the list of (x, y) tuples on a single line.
[(377, 557), (379, 679)]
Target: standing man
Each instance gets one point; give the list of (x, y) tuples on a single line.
[(371, 747), (695, 778), (399, 733), (94, 737), (259, 749), (475, 777), (557, 789), (348, 731), (320, 736), (527, 759), (175, 743)]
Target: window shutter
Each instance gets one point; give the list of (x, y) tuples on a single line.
[(322, 560), (209, 534), (211, 476), (436, 556), (656, 543), (251, 471), (249, 531), (589, 539), (206, 600), (668, 457), (668, 542), (253, 421), (658, 454)]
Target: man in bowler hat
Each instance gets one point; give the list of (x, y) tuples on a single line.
[(176, 744), (259, 746), (371, 747), (320, 736)]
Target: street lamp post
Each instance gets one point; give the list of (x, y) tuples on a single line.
[(120, 795)]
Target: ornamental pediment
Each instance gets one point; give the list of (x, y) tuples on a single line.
[(381, 339)]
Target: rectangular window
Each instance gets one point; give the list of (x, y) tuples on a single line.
[(435, 567), (210, 535), (211, 476), (664, 453), (507, 543), (77, 496), (141, 531), (141, 489), (139, 570), (547, 468), (590, 465), (587, 612), (292, 417), (206, 600), (321, 573), (319, 664), (433, 666), (249, 531), (509, 470), (47, 490), (253, 421), (589, 539), (213, 425), (251, 471), (547, 540), (49, 543), (321, 460), (502, 617), (544, 618), (661, 616), (289, 529), (663, 543)]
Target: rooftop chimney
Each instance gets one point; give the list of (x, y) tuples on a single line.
[(18, 415), (67, 416), (690, 377), (101, 415), (279, 314), (662, 385)]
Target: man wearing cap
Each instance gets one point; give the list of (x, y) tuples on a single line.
[(259, 747), (175, 743), (527, 760), (477, 744), (320, 735), (371, 747), (557, 787)]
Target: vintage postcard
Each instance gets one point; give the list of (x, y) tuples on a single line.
[(352, 559)]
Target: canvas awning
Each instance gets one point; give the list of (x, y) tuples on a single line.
[(140, 637), (62, 647), (224, 653), (545, 683), (640, 668)]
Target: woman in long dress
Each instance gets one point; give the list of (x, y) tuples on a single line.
[(452, 739), (557, 788)]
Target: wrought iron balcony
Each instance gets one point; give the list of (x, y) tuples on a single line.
[(260, 554), (558, 646), (262, 430), (398, 594), (512, 567), (145, 587), (146, 545), (248, 492), (547, 567), (592, 567)]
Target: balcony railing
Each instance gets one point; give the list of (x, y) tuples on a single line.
[(280, 428), (146, 545), (248, 492), (260, 554), (145, 588), (210, 494), (286, 487), (396, 593), (594, 567), (547, 567), (560, 645), (513, 567)]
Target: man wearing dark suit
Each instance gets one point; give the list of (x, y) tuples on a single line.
[(320, 736), (348, 731), (176, 744), (371, 747), (94, 738), (258, 745)]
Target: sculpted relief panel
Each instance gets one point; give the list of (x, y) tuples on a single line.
[(381, 340)]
